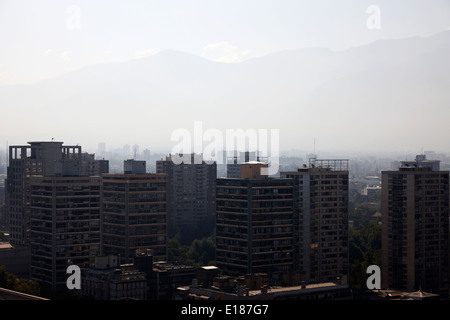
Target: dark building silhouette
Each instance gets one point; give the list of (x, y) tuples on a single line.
[(43, 158), (191, 195), (134, 212), (255, 225), (321, 206), (65, 226), (415, 227)]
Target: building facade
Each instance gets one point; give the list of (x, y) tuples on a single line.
[(415, 228), (41, 158), (109, 281), (64, 226), (191, 195), (321, 220), (254, 228), (134, 215)]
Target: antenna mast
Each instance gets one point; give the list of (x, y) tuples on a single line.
[(314, 152)]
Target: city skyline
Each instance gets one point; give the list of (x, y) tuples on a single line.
[(225, 149)]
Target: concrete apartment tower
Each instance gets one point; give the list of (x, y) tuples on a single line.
[(255, 225), (40, 158), (191, 195), (25, 161), (321, 220), (65, 226), (415, 227), (134, 212)]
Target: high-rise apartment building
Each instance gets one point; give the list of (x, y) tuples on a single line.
[(415, 227), (254, 227), (134, 213), (191, 195), (321, 220), (42, 158), (64, 226), (25, 161)]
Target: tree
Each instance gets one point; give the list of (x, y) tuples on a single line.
[(12, 282), (364, 250), (200, 253)]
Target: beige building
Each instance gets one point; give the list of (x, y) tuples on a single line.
[(254, 169)]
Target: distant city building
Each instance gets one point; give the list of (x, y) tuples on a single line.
[(134, 166), (371, 191), (134, 212), (321, 211), (90, 166), (415, 227), (146, 155), (191, 195), (422, 161), (101, 148)]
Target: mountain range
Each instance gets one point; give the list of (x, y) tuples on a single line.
[(388, 95)]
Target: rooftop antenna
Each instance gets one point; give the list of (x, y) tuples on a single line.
[(314, 152)]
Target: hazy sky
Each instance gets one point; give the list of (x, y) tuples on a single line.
[(41, 39)]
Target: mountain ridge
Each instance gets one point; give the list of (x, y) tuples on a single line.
[(307, 93)]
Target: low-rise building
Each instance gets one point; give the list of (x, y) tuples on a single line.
[(255, 287), (107, 281)]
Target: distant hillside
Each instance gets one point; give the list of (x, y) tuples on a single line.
[(389, 93)]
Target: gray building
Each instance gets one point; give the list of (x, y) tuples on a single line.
[(42, 158), (255, 226), (191, 195), (321, 205), (134, 212), (26, 161), (64, 226), (108, 280), (415, 228)]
